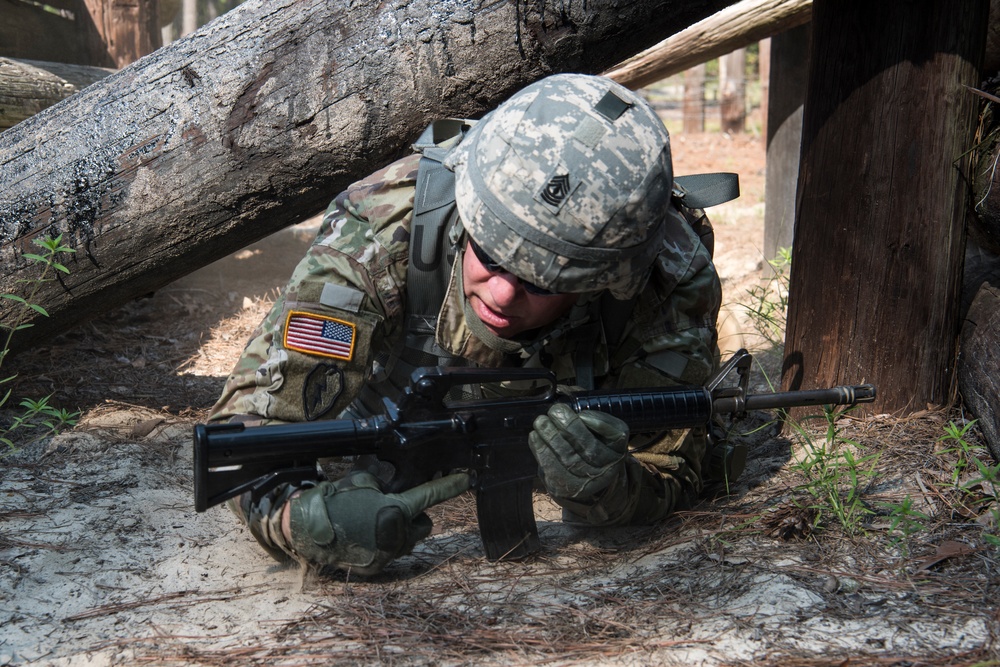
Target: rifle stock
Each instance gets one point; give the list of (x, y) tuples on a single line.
[(424, 435)]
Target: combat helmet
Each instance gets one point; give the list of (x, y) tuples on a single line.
[(567, 185)]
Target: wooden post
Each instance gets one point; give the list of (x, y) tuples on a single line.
[(876, 267), (787, 92), (98, 33), (764, 77), (694, 99), (732, 91), (256, 121), (129, 29), (189, 17)]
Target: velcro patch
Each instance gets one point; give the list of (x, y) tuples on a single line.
[(611, 106), (319, 335)]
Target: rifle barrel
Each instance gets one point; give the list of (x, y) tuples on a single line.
[(842, 395)]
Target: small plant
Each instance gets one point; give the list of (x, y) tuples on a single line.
[(956, 437), (36, 413), (768, 304), (981, 493), (835, 478), (905, 521)]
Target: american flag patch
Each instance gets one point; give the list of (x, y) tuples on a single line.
[(315, 334)]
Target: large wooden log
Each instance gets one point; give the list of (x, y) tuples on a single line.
[(880, 220), (979, 364), (257, 119), (28, 86)]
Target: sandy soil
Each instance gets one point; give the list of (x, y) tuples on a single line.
[(103, 560)]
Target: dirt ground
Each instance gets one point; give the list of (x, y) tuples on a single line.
[(103, 560)]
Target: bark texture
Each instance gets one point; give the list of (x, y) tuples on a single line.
[(259, 118), (979, 364), (879, 232)]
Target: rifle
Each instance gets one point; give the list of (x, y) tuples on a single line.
[(424, 434)]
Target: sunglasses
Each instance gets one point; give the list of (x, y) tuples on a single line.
[(491, 265)]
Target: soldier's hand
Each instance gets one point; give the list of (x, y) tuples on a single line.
[(579, 455), (352, 524)]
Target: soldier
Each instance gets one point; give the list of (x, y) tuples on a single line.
[(544, 235)]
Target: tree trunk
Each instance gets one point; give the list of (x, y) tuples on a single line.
[(733, 91), (258, 119), (979, 364), (735, 27), (28, 86), (876, 265), (694, 99), (787, 93)]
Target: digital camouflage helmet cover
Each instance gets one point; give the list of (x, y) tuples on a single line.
[(567, 185)]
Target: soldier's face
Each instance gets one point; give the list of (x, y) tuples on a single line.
[(501, 301)]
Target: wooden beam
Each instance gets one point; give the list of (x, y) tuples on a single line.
[(734, 27)]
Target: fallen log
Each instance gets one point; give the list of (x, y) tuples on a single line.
[(979, 364), (28, 86), (257, 119)]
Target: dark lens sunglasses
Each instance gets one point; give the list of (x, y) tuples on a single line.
[(490, 265)]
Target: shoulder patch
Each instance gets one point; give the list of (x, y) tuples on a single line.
[(319, 335), (321, 389)]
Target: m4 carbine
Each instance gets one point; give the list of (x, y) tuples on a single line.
[(425, 434)]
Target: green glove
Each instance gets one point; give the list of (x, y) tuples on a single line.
[(352, 524), (579, 455)]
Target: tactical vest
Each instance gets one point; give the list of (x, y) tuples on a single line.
[(434, 233)]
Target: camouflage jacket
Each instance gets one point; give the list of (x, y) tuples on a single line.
[(345, 307)]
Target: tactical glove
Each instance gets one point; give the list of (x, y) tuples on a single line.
[(579, 455), (352, 524)]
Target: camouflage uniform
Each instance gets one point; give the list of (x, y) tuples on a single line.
[(342, 322)]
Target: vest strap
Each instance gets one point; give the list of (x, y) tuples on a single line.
[(705, 190)]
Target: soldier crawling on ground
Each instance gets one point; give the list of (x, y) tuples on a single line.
[(545, 235)]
